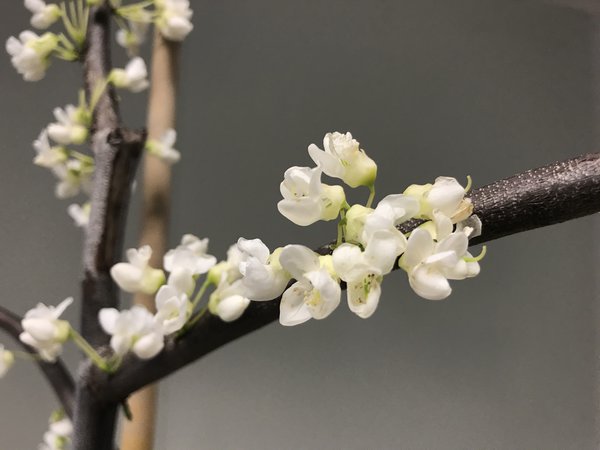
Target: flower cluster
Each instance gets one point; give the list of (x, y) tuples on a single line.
[(58, 436), (31, 55), (371, 243)]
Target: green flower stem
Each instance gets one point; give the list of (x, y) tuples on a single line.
[(371, 195), (196, 318), (200, 293), (478, 257), (89, 351), (341, 228)]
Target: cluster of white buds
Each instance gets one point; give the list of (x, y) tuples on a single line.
[(31, 54), (59, 434), (370, 245), (171, 17), (73, 169)]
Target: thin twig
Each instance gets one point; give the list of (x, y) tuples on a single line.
[(56, 373)]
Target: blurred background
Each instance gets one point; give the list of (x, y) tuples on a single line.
[(481, 87)]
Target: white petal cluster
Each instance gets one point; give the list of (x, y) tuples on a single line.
[(174, 18), (44, 331), (316, 293), (43, 15), (134, 77), (163, 148), (187, 261), (7, 359), (71, 126), (305, 199), (137, 275), (134, 36), (58, 436), (342, 158), (445, 195), (30, 53), (80, 214), (432, 259), (134, 329), (251, 272)]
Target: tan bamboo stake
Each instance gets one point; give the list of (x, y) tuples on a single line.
[(138, 434)]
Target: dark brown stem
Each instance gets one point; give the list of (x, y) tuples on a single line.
[(533, 199), (116, 152), (56, 373)]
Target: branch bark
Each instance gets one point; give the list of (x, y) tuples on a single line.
[(116, 152), (533, 199), (56, 373)]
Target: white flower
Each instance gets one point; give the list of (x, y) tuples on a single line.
[(306, 199), (58, 436), (46, 155), (317, 292), (7, 359), (446, 195), (137, 275), (172, 309), (74, 176), (80, 213), (431, 263), (29, 54), (163, 148), (71, 126), (134, 329), (342, 158), (186, 261), (44, 331), (364, 271), (230, 267), (263, 277), (134, 77), (228, 300), (133, 37), (43, 15), (173, 19), (390, 211)]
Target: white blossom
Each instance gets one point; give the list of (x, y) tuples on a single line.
[(445, 195), (173, 19), (134, 77), (263, 278), (80, 213), (137, 275), (343, 158), (172, 309), (163, 148), (317, 292), (186, 261), (390, 211), (228, 301), (44, 331), (430, 262), (74, 176), (29, 54), (363, 271), (133, 330), (71, 126), (46, 155), (7, 359), (58, 436), (230, 267), (133, 37), (307, 200), (43, 15)]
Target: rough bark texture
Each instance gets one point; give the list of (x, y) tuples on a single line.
[(56, 373), (533, 199), (116, 152)]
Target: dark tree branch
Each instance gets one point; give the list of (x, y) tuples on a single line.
[(533, 199), (56, 373), (117, 152)]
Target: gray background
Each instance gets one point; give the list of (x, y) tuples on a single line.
[(479, 87)]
